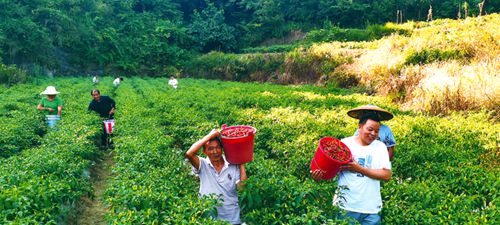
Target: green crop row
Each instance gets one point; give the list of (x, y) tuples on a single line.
[(149, 183), (21, 124), (41, 184)]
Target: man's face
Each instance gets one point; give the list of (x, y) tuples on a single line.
[(213, 150), (96, 95), (368, 132)]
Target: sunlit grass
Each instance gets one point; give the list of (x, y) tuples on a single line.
[(448, 86), (310, 95), (443, 66)]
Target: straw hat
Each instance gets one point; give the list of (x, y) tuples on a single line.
[(362, 110), (50, 90)]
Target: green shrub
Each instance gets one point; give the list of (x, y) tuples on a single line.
[(169, 71), (11, 75), (336, 34), (378, 31), (271, 49), (427, 56), (342, 79), (244, 67)]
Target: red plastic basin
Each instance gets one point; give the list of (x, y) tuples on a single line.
[(324, 162), (238, 150)]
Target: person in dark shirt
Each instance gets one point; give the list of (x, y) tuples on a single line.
[(102, 104), (105, 106)]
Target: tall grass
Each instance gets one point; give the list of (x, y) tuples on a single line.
[(451, 86), (446, 65)]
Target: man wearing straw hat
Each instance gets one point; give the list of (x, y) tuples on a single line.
[(359, 181), (51, 105), (218, 176), (385, 133)]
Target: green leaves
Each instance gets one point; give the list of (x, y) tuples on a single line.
[(210, 30), (41, 183)]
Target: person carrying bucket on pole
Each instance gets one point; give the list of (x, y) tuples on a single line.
[(218, 176), (51, 105), (359, 196), (385, 133), (105, 107)]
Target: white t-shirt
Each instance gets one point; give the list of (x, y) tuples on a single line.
[(173, 83), (116, 82), (221, 184), (363, 193)]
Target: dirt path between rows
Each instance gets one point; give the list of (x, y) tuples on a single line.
[(91, 211)]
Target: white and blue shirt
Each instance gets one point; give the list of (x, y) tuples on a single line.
[(221, 184)]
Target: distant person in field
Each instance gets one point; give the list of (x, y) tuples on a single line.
[(429, 14), (385, 133), (359, 195), (173, 82), (218, 176), (51, 105), (117, 81), (95, 80), (104, 106)]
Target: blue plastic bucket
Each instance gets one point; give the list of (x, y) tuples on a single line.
[(52, 120)]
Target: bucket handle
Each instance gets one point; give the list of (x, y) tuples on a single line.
[(315, 163)]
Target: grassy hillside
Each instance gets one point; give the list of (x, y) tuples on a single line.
[(441, 66)]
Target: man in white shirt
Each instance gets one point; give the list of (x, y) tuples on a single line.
[(217, 176), (95, 80), (359, 181), (117, 81), (173, 82)]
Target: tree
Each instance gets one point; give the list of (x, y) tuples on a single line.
[(210, 31), (481, 6), (466, 9)]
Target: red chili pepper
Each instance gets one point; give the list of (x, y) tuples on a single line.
[(335, 150), (236, 132)]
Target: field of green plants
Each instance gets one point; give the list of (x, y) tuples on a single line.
[(445, 169)]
